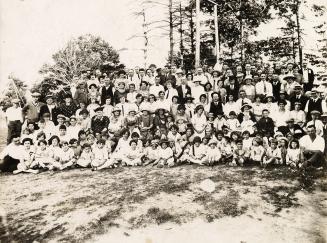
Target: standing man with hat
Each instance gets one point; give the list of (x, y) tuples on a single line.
[(308, 76), (32, 110), (298, 97), (314, 103), (14, 119)]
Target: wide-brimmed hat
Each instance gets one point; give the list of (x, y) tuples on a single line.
[(116, 109), (36, 94), (248, 77), (15, 101), (315, 112), (289, 76), (100, 108), (246, 105)]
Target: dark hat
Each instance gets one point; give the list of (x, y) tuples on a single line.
[(67, 96), (246, 105), (197, 139), (198, 107), (100, 108), (164, 141), (281, 102), (232, 113), (181, 107)]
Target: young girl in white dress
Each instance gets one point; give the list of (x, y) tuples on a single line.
[(294, 155)]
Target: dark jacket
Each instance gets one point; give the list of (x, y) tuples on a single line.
[(266, 126), (181, 95)]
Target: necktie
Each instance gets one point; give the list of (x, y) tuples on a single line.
[(167, 95), (214, 85), (242, 102), (264, 87), (122, 110)]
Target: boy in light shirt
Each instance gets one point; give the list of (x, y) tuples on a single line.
[(101, 154)]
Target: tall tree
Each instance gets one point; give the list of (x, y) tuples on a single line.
[(86, 52)]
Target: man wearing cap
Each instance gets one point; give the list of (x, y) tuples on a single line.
[(308, 76), (298, 97), (99, 122), (291, 127), (14, 120), (313, 147), (32, 109), (314, 103)]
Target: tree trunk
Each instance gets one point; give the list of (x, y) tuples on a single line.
[(298, 30), (192, 32), (181, 34), (171, 33), (146, 40)]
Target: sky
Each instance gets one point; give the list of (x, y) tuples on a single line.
[(32, 30)]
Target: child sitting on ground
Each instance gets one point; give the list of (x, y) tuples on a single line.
[(101, 154), (66, 156), (27, 157), (257, 151), (273, 154), (198, 152), (151, 153), (294, 155), (132, 155), (42, 156), (166, 155), (240, 155), (213, 154), (86, 156)]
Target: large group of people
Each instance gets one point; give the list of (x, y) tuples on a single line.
[(253, 114)]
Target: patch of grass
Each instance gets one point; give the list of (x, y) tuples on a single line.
[(154, 215), (281, 197), (227, 205), (173, 187), (36, 196)]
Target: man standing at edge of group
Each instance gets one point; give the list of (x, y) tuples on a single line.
[(14, 119)]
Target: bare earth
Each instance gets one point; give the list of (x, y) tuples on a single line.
[(152, 205)]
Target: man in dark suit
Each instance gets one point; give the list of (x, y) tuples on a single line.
[(298, 97), (183, 90), (51, 108), (308, 76), (107, 91), (276, 85), (313, 104), (216, 106), (233, 88)]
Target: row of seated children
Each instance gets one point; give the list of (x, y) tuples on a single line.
[(60, 155)]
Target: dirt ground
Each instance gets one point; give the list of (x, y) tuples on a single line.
[(150, 205)]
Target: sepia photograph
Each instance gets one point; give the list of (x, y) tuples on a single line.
[(163, 121)]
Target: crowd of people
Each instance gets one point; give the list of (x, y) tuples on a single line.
[(256, 114)]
